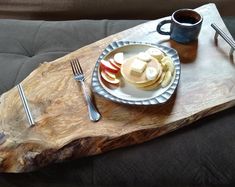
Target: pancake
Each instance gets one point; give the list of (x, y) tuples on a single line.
[(141, 85), (139, 79)]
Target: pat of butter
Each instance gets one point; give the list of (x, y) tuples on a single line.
[(138, 66)]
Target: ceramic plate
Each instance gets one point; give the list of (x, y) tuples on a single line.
[(128, 93)]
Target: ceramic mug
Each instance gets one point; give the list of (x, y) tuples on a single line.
[(185, 25)]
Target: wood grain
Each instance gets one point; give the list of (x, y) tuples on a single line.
[(63, 129)]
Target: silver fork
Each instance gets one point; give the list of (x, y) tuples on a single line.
[(79, 76)]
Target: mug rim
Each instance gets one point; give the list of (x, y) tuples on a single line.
[(186, 25)]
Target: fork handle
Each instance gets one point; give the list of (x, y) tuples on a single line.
[(93, 113)]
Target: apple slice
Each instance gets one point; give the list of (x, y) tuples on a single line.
[(109, 79), (111, 75), (119, 58), (106, 65), (116, 65)]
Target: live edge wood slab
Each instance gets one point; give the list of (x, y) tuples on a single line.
[(63, 129)]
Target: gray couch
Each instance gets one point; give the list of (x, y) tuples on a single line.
[(200, 154)]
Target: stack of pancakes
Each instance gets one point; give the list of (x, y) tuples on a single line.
[(164, 71)]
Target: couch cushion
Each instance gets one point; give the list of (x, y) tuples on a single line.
[(230, 23), (25, 44), (102, 9), (199, 154), (28, 43)]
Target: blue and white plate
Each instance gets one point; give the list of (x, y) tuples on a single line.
[(127, 93)]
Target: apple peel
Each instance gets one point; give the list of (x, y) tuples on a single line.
[(116, 65), (109, 79), (106, 65)]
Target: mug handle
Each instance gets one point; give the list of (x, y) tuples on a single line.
[(160, 25)]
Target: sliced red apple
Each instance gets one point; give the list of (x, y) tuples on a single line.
[(111, 75), (119, 58), (108, 79), (116, 65), (106, 65)]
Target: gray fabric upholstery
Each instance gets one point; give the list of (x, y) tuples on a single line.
[(230, 23), (102, 9), (25, 44)]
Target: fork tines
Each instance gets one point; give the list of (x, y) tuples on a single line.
[(79, 76), (76, 67)]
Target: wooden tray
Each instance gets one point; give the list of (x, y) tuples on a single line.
[(63, 129)]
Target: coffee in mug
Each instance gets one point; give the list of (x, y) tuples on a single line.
[(185, 25)]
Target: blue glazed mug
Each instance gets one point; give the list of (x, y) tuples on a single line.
[(185, 26)]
